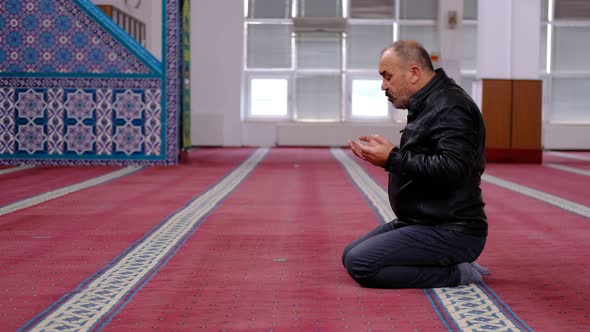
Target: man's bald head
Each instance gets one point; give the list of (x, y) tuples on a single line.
[(411, 52), (406, 68)]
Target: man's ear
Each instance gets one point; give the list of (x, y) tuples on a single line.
[(415, 74)]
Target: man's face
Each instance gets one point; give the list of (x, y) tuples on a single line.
[(396, 79)]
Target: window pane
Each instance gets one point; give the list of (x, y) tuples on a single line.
[(469, 46), (365, 42), (319, 50), (570, 99), (320, 8), (400, 116), (419, 9), (318, 97), (470, 9), (425, 35), (570, 53), (546, 97), (381, 9), (269, 8), (269, 46), (572, 9), (368, 100), (466, 83), (268, 97), (543, 48)]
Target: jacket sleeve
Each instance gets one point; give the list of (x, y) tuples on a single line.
[(455, 147)]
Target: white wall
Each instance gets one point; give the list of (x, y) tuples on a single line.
[(154, 27), (314, 134), (566, 137), (217, 39), (508, 32)]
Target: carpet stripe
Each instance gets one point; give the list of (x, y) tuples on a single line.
[(542, 196), (470, 308), (569, 169), (15, 169), (370, 189), (570, 156), (91, 303), (38, 199), (467, 307)]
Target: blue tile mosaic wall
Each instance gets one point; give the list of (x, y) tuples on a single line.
[(76, 89)]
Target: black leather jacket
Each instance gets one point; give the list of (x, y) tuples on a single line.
[(434, 175)]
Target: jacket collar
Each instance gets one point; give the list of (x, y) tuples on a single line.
[(417, 101)]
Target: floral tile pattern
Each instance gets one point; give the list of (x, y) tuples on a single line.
[(81, 121), (50, 36), (74, 90)]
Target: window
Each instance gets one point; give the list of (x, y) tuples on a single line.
[(319, 8), (317, 97), (269, 46), (543, 48), (569, 53), (268, 8), (572, 9), (318, 50), (570, 100), (468, 45), (372, 9), (565, 69), (368, 99), (426, 34), (331, 75), (328, 73), (418, 9), (268, 97), (470, 9), (365, 42)]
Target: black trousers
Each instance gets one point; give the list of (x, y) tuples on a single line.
[(410, 257)]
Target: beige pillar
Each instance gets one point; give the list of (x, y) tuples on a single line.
[(508, 87)]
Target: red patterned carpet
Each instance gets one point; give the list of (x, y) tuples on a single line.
[(270, 259), (264, 252), (50, 249), (561, 183), (538, 256), (34, 181)]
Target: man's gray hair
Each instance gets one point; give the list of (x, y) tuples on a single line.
[(411, 52)]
